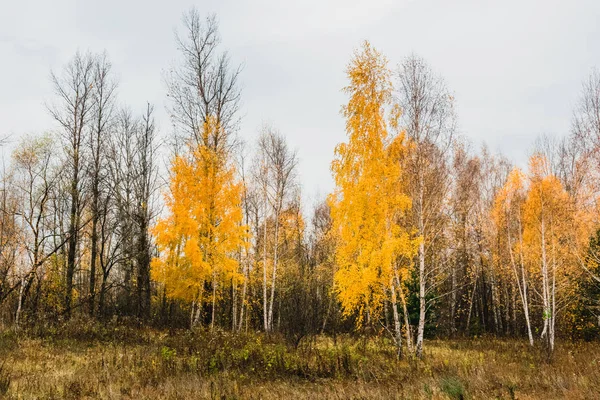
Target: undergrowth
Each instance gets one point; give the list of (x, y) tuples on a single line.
[(112, 362)]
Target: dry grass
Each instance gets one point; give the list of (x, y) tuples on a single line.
[(151, 364)]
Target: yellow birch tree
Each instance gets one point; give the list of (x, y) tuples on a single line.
[(203, 230), (549, 227), (507, 215), (369, 204)]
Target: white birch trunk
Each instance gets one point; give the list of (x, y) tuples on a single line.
[(397, 327)]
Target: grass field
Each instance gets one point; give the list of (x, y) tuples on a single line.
[(114, 363)]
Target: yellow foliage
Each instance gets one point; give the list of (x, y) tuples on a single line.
[(203, 230), (369, 202), (507, 216), (542, 228), (548, 220)]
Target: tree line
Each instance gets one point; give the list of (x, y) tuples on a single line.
[(423, 235)]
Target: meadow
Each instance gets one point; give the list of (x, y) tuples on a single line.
[(85, 360)]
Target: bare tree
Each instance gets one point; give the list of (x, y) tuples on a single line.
[(322, 255), (203, 85), (276, 175), (72, 110), (128, 210), (103, 97), (34, 179), (429, 120), (123, 165), (248, 256), (145, 188), (464, 200), (586, 118), (10, 238), (578, 156)]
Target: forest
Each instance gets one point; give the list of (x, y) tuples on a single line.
[(186, 264)]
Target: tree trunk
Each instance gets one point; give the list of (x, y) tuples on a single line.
[(243, 299), (397, 327), (553, 316), (102, 299), (214, 302), (265, 300), (545, 286), (453, 303), (192, 314), (468, 326), (233, 306), (73, 233), (143, 273), (422, 305), (20, 304), (93, 255), (421, 327), (274, 275), (409, 341), (522, 283)]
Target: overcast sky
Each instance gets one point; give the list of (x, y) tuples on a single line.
[(515, 68)]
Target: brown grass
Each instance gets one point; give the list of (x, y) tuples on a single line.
[(152, 364)]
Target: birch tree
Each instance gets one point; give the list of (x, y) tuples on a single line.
[(369, 204), (429, 120), (508, 217), (548, 226), (277, 173), (33, 180), (202, 232)]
